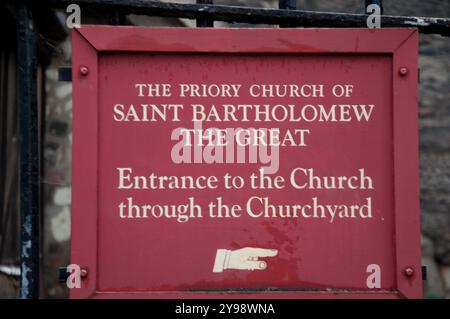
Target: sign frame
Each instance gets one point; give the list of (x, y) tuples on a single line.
[(401, 44)]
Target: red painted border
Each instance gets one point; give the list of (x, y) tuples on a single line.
[(84, 164), (402, 44), (406, 168), (244, 40)]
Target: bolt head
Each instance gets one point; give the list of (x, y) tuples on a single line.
[(409, 272), (84, 70), (403, 71), (83, 273)]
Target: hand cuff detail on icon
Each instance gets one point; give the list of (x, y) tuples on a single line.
[(222, 259)]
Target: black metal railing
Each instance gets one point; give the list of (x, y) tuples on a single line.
[(205, 10)]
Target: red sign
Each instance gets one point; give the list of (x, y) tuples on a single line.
[(255, 163)]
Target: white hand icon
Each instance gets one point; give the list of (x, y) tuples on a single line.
[(242, 259)]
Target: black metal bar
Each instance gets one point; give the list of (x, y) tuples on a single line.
[(377, 2), (287, 5), (117, 18), (65, 74), (29, 153), (63, 274), (260, 15), (204, 20), (424, 273)]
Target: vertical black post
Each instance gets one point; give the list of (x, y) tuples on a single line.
[(203, 20), (377, 2), (29, 153), (287, 5), (117, 18)]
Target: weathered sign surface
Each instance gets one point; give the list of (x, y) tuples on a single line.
[(253, 163)]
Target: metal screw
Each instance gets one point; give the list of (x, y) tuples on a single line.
[(84, 70), (409, 271), (83, 273), (403, 71)]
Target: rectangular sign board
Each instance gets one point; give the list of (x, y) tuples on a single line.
[(245, 163)]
